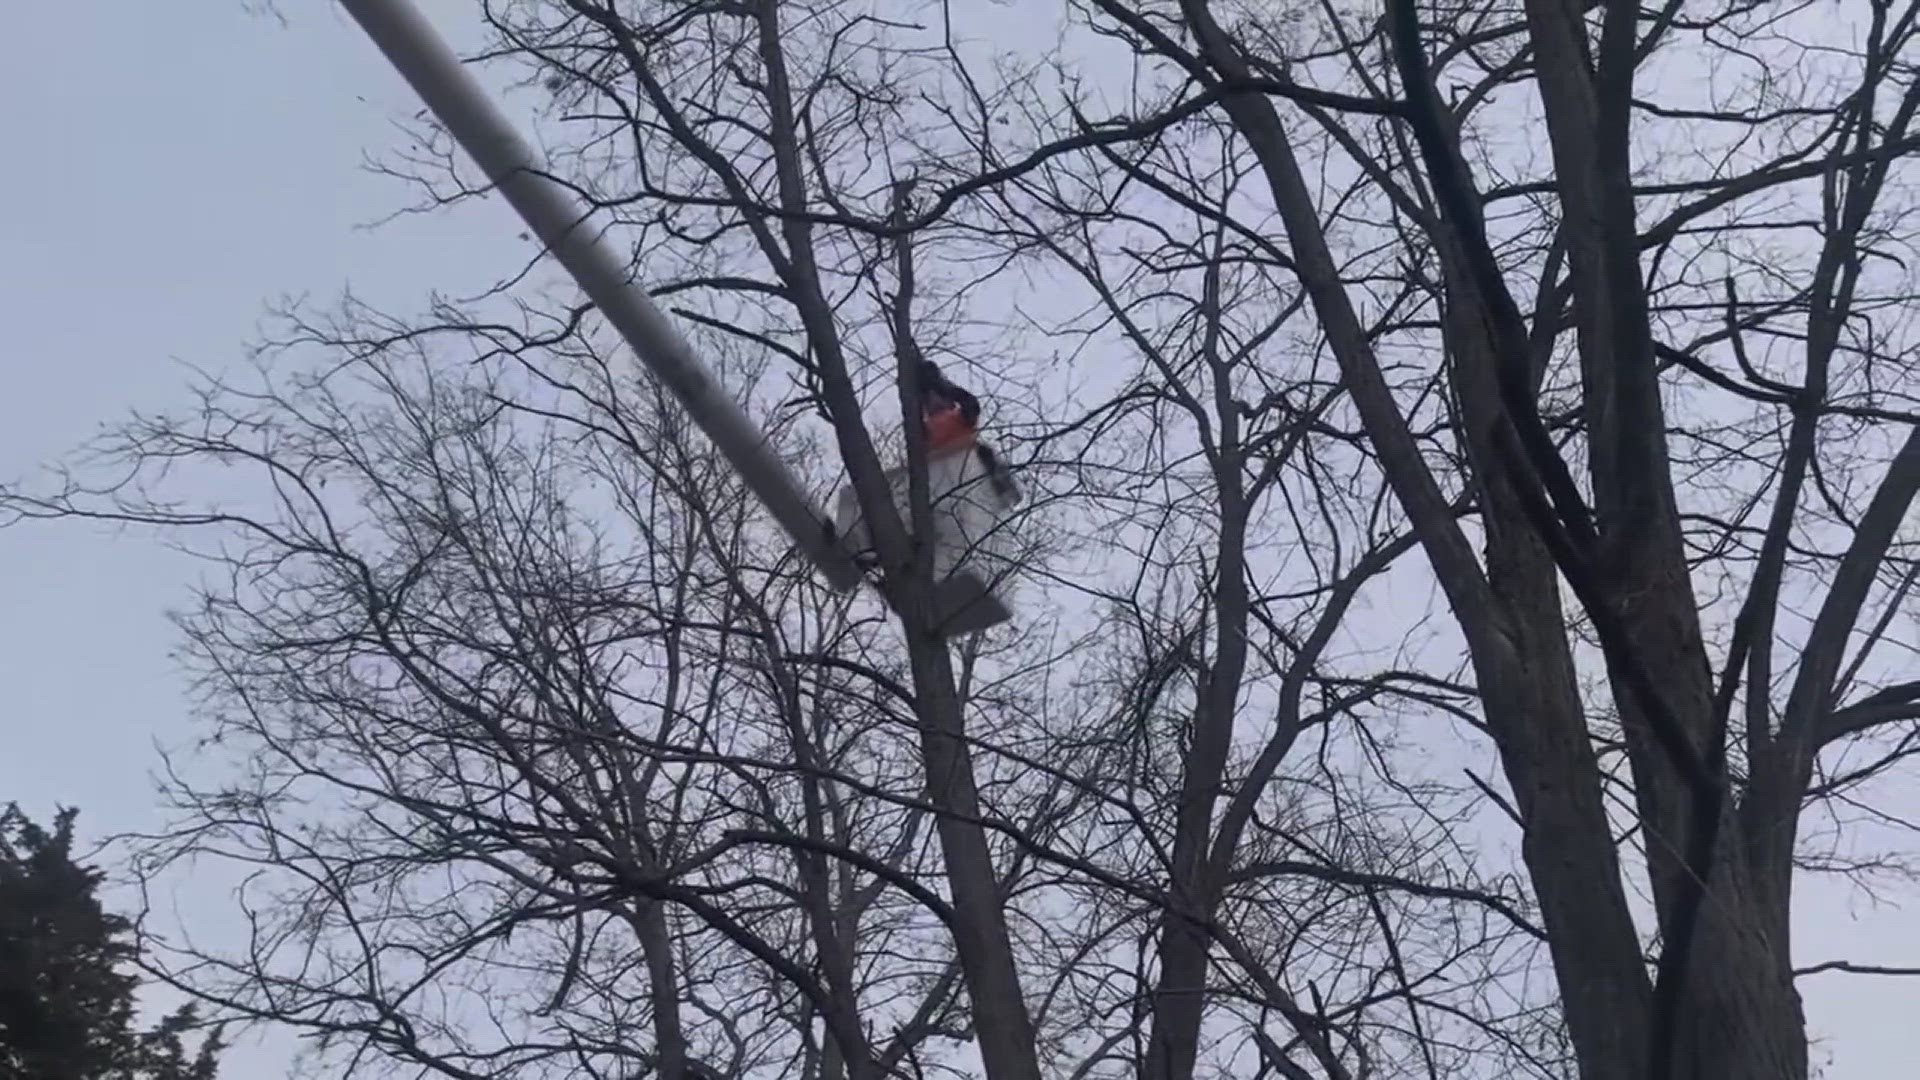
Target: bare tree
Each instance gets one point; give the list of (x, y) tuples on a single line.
[(1653, 275), (547, 756)]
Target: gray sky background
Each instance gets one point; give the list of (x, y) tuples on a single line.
[(172, 168)]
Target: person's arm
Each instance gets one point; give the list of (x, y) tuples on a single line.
[(998, 474)]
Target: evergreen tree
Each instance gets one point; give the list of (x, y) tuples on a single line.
[(66, 1005)]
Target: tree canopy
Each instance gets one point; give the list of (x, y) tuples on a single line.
[(1470, 450), (67, 1002)]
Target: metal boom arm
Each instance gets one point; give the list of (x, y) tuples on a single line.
[(559, 219)]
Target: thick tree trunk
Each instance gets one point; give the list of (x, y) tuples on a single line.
[(1532, 703), (1516, 634), (1741, 1016), (1737, 1014), (1640, 554)]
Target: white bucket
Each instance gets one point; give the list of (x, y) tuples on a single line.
[(971, 548)]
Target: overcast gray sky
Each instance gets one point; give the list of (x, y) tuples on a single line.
[(173, 167)]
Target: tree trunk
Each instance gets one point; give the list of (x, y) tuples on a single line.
[(1531, 699), (1741, 1016), (1002, 1027), (1180, 996), (663, 987)]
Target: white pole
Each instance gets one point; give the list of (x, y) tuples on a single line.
[(559, 218)]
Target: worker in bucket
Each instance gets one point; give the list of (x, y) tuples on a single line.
[(972, 491)]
